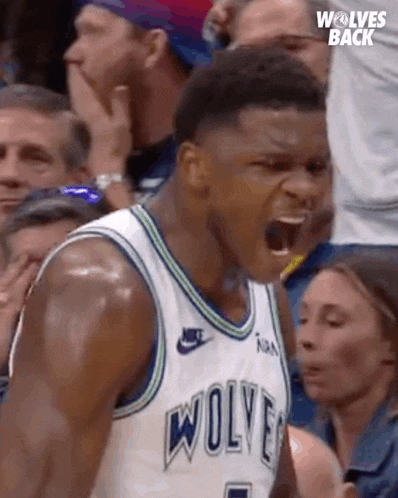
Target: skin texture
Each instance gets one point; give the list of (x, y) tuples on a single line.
[(317, 469), (347, 363), (222, 16), (37, 241), (274, 165), (110, 53), (110, 132), (263, 23), (104, 49), (89, 323), (28, 248), (30, 156)]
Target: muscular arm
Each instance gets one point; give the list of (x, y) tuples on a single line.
[(87, 336), (285, 483), (286, 322)]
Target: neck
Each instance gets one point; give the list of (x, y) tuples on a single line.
[(351, 420), (198, 251), (154, 110)]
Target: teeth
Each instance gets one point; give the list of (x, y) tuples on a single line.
[(292, 221), (282, 252)]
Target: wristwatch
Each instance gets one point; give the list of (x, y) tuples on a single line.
[(104, 180)]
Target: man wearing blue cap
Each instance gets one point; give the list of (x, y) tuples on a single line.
[(149, 48)]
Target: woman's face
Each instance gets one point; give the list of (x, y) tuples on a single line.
[(340, 346)]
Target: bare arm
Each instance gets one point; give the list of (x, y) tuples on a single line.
[(87, 336), (285, 318), (285, 484)]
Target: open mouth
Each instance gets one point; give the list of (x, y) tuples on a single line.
[(281, 235)]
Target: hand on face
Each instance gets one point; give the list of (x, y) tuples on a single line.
[(15, 284), (14, 287), (110, 129)]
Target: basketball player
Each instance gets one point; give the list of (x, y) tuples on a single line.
[(150, 361)]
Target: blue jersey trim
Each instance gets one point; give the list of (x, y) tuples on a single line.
[(133, 398), (153, 380)]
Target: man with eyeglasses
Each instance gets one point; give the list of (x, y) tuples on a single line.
[(263, 23)]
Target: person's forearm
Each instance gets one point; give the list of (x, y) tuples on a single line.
[(285, 482)]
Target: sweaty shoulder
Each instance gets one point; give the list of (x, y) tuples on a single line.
[(95, 262), (90, 305)]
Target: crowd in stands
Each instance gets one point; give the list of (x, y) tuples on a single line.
[(87, 105)]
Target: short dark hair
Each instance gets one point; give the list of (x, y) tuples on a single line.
[(36, 98), (38, 212), (241, 78)]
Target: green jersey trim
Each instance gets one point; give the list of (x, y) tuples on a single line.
[(211, 314)]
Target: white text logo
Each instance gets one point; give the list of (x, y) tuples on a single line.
[(353, 28)]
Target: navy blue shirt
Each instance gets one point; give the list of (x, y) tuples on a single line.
[(151, 168), (374, 465)]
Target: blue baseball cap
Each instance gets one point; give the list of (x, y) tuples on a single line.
[(181, 19)]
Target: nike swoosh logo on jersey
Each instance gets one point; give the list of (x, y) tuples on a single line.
[(191, 339)]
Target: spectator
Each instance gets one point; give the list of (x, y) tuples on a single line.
[(219, 22), (38, 224), (318, 471), (149, 48), (363, 136), (43, 144), (347, 345), (283, 24), (279, 23)]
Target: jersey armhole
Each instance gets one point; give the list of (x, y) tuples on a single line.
[(153, 379)]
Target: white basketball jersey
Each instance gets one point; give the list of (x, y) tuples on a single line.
[(209, 420)]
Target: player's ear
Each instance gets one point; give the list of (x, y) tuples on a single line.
[(349, 490), (193, 167)]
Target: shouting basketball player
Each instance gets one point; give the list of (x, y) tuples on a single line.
[(150, 360)]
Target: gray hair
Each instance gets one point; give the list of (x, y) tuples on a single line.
[(36, 98), (39, 212)]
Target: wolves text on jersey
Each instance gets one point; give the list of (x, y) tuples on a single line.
[(212, 417)]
